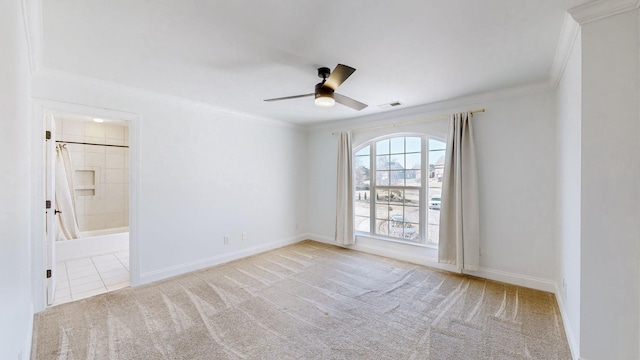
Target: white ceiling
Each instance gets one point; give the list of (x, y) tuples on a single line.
[(234, 54)]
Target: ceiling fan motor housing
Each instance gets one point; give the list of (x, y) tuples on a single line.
[(322, 91)]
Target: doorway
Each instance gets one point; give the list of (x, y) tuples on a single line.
[(87, 228)]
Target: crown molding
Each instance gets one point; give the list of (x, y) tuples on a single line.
[(445, 106), (32, 19), (119, 88), (601, 9), (568, 36), (577, 16)]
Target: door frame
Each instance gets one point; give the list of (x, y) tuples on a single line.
[(42, 107), (51, 225)]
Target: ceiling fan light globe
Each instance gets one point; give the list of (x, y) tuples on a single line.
[(325, 101)]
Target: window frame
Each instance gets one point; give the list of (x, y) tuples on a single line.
[(423, 189)]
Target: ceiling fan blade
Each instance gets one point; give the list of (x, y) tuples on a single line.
[(347, 101), (289, 97), (338, 76)]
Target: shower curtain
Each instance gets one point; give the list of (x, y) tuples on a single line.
[(65, 199)]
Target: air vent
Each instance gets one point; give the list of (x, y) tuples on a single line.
[(389, 105)]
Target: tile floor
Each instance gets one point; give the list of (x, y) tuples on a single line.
[(82, 278)]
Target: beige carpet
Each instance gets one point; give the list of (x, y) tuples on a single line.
[(308, 301)]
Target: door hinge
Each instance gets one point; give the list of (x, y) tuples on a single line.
[(48, 273), (47, 135), (47, 204)]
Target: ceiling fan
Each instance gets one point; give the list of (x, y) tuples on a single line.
[(325, 91)]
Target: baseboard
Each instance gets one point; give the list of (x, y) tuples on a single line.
[(172, 271), (327, 240), (515, 279), (491, 274), (573, 345)]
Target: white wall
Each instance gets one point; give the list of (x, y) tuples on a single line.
[(15, 262), (204, 174), (610, 226), (568, 203), (515, 142)]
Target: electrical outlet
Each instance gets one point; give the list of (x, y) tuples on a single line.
[(244, 235), (20, 355), (226, 239), (297, 226)]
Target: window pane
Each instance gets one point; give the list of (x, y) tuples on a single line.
[(436, 167), (412, 214), (382, 196), (363, 178), (382, 178), (362, 161), (412, 231), (413, 161), (413, 178), (413, 144), (433, 217), (397, 162), (397, 145), (382, 147), (433, 203), (382, 227), (362, 224), (362, 204), (412, 197), (436, 145), (396, 227), (400, 228), (382, 211), (382, 162), (396, 197), (396, 178), (364, 151), (396, 212), (434, 198), (434, 233), (436, 157)]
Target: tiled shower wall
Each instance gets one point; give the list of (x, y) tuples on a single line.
[(100, 173)]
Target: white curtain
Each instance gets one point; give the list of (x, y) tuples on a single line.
[(459, 215), (65, 199), (344, 196)]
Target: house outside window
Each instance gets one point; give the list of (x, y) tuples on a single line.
[(398, 184)]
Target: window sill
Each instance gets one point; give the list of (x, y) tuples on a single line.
[(397, 241)]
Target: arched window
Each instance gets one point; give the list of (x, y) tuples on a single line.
[(398, 185)]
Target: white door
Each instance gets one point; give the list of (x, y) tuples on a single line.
[(50, 192)]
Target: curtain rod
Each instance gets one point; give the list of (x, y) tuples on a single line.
[(84, 143), (437, 117)]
